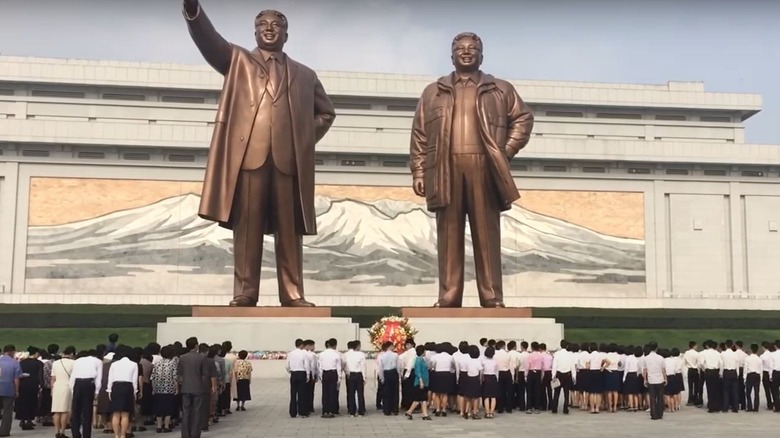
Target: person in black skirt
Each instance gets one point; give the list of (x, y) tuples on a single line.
[(29, 387), (242, 373), (470, 381), (164, 389), (122, 388), (419, 390), (632, 381), (490, 388), (441, 382)]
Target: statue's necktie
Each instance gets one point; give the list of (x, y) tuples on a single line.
[(275, 72)]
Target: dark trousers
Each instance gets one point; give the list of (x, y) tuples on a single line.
[(81, 408), (7, 406), (299, 390), (520, 385), (534, 389), (310, 396), (407, 386), (223, 403), (191, 411), (712, 380), (741, 389), (768, 390), (694, 387), (776, 390), (330, 384), (356, 401), (390, 392), (567, 382), (547, 392), (379, 395), (730, 390), (655, 393), (204, 410), (506, 395), (752, 382)]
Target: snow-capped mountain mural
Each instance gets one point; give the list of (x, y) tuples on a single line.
[(379, 243)]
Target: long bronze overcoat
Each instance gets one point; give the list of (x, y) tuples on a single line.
[(505, 126), (311, 111)]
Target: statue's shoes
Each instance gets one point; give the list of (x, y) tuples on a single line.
[(300, 302), (243, 302)]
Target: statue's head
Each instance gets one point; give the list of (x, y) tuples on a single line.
[(271, 30), (466, 52)]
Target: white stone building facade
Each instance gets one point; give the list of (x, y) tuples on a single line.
[(633, 195)]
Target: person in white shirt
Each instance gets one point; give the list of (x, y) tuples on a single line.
[(387, 372), (712, 364), (632, 383), (443, 366), (514, 362), (462, 359), (483, 345), (490, 387), (122, 388), (564, 369), (330, 376), (775, 375), (406, 361), (767, 364), (674, 380), (309, 346), (299, 369), (470, 380), (85, 384), (754, 368), (730, 377), (612, 377), (741, 356), (655, 379), (691, 362), (581, 395), (505, 383), (518, 364), (355, 368)]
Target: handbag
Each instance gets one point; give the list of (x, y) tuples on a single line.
[(555, 383)]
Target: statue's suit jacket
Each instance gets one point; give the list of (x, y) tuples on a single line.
[(245, 82), (505, 124)]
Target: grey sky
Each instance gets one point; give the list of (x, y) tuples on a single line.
[(733, 46)]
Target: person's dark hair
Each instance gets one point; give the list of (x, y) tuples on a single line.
[(97, 353), (739, 344), (167, 352), (639, 351), (692, 344), (512, 345), (490, 352), (227, 347), (535, 346), (411, 342), (9, 349), (573, 348), (483, 341), (350, 345), (32, 350), (474, 351), (386, 345), (500, 345), (192, 343), (203, 347), (298, 343), (543, 346), (154, 348), (675, 352), (333, 342), (463, 347), (308, 342), (430, 346), (213, 351), (754, 348), (563, 343), (524, 345), (243, 354), (53, 349), (491, 343), (113, 338), (69, 350), (420, 350)]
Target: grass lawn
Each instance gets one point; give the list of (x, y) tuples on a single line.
[(140, 336)]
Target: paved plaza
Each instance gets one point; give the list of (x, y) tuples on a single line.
[(267, 416)]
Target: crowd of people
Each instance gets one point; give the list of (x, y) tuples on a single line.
[(122, 390), (478, 381)]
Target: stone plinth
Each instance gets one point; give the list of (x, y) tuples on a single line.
[(465, 312), (258, 333), (260, 312)]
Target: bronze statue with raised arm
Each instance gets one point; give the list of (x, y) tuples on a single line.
[(260, 171), (467, 127)]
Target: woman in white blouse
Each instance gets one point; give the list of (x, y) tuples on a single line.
[(122, 388), (613, 379), (674, 380), (632, 383)]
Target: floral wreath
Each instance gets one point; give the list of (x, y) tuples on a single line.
[(391, 328)]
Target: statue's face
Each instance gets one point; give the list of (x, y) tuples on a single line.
[(467, 55), (270, 32)]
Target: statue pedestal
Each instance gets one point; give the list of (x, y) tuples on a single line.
[(258, 328), (465, 312)]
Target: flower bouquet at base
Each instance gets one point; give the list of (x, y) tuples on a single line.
[(391, 328)]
